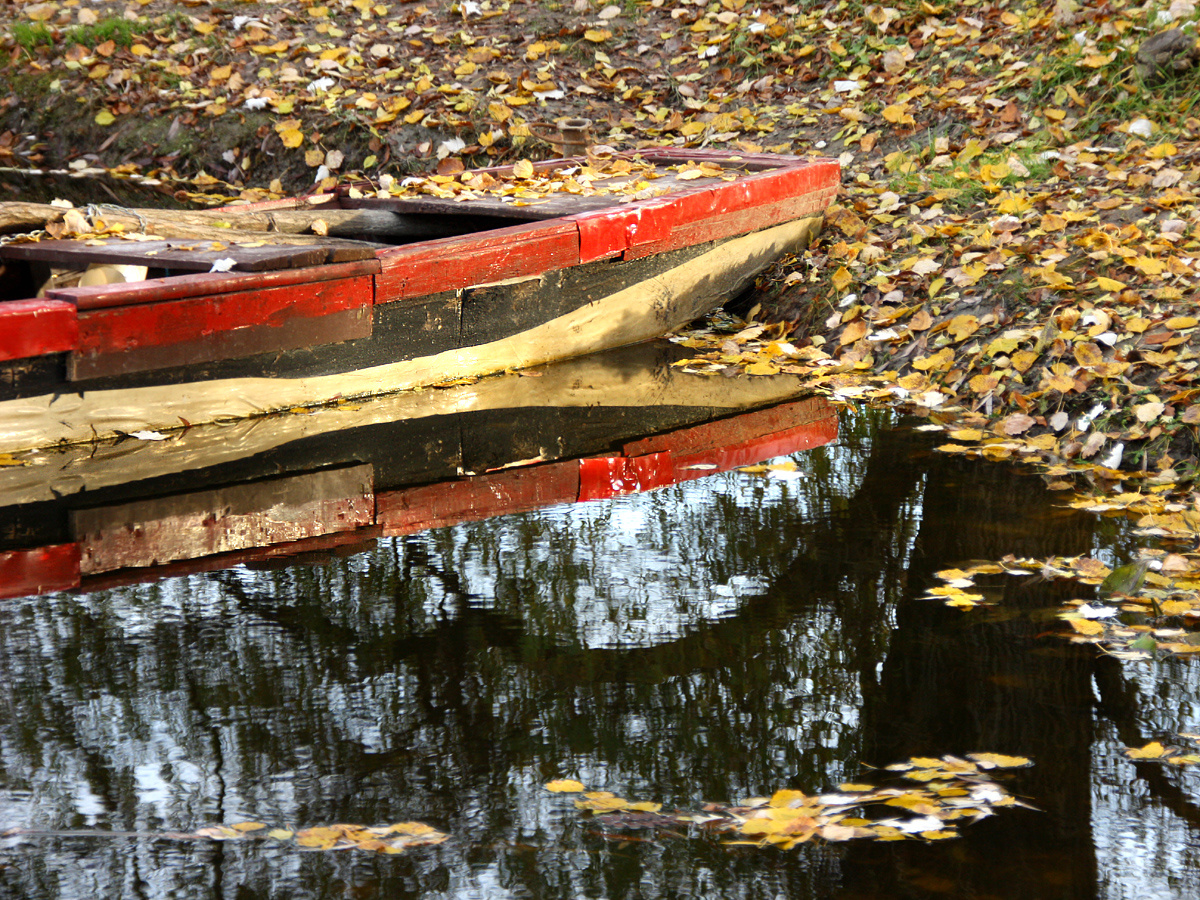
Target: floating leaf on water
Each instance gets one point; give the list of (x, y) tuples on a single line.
[(565, 786), (1000, 761), (1152, 750)]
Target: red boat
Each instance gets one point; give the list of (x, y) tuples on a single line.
[(334, 479), (535, 263)]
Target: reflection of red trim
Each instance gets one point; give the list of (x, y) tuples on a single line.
[(39, 571), (410, 510), (675, 455), (644, 464)]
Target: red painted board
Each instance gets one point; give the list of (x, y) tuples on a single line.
[(39, 571), (608, 233), (451, 263), (205, 284), (409, 510), (733, 223), (34, 327), (177, 322)]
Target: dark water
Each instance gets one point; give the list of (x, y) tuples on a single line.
[(708, 641)]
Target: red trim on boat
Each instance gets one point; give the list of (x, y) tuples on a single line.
[(470, 260), (224, 326), (206, 284), (35, 327)]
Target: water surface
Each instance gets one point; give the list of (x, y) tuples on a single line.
[(712, 640)]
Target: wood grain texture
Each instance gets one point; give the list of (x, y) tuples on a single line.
[(628, 315)]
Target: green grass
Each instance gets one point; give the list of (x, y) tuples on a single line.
[(121, 32), (29, 36)]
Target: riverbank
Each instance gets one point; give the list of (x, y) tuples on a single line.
[(1015, 249)]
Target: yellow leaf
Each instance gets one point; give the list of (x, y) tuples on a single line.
[(785, 798), (762, 368), (1109, 284), (1087, 627), (1162, 151), (1148, 266), (597, 35), (1153, 750), (1088, 355), (280, 834), (841, 278), (1000, 761), (523, 168), (104, 117), (1014, 203), (962, 327), (565, 786), (248, 826), (292, 137), (1179, 323)]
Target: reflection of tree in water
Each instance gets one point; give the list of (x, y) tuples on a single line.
[(400, 685)]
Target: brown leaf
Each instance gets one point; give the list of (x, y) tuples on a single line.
[(1018, 423)]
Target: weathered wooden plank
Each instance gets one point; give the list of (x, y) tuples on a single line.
[(156, 290), (34, 327), (39, 571), (176, 255), (409, 510), (204, 523), (123, 339), (521, 251)]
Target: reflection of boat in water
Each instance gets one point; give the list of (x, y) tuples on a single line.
[(337, 477)]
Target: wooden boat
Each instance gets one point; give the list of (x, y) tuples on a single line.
[(332, 479), (521, 276)]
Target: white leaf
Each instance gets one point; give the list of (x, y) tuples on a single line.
[(1143, 128), (148, 435), (223, 265)]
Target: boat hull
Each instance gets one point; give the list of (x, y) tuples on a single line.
[(90, 363)]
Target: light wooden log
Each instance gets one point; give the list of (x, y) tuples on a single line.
[(304, 224)]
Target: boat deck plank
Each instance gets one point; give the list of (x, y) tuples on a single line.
[(180, 254)]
